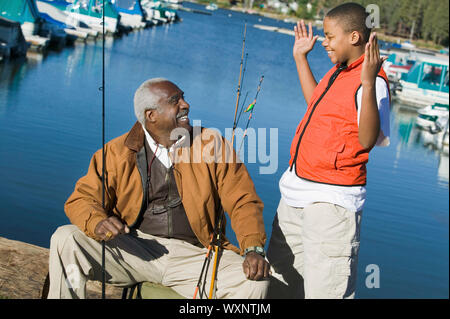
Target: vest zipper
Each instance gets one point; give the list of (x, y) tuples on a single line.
[(169, 209), (330, 83), (141, 163)]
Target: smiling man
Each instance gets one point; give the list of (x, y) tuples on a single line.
[(160, 212)]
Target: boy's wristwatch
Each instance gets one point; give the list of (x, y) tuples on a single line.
[(257, 249)]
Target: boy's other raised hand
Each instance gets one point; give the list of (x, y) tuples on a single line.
[(372, 61), (304, 40)]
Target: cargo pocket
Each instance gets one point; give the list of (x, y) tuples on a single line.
[(342, 259)]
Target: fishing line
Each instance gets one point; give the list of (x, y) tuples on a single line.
[(250, 109), (103, 147), (239, 84)]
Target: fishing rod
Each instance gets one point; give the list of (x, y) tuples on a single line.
[(217, 245), (242, 108), (215, 241), (103, 148), (205, 264), (239, 84), (251, 108)]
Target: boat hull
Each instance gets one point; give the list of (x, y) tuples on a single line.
[(413, 95)]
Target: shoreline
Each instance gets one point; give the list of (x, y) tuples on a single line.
[(420, 44)]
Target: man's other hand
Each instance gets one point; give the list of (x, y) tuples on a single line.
[(255, 266), (110, 227)]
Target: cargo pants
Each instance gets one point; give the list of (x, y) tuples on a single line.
[(313, 252)]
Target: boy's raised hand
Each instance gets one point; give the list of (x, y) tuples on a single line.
[(304, 40), (372, 61)]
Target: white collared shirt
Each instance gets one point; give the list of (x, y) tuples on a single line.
[(161, 152)]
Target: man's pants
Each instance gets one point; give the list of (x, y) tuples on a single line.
[(314, 252), (138, 257)]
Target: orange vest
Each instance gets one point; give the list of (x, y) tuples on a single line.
[(326, 147)]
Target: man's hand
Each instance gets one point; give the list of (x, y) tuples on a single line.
[(372, 62), (255, 266), (304, 40), (110, 227)]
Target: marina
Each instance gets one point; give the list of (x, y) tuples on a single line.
[(55, 24), (50, 125)]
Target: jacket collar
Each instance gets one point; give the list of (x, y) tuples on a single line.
[(135, 139), (355, 64)]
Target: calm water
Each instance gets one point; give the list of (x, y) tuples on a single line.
[(50, 125)]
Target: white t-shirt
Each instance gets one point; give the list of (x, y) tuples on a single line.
[(298, 192)]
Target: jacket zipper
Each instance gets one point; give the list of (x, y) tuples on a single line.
[(330, 83)]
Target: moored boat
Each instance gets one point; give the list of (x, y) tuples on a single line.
[(26, 13), (160, 12), (131, 14), (70, 25), (211, 6), (427, 82), (12, 42), (433, 117), (89, 13)]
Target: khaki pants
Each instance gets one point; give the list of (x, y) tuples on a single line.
[(313, 252), (138, 257)]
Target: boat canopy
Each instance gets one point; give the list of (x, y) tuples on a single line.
[(19, 10), (128, 6), (429, 74), (91, 8)]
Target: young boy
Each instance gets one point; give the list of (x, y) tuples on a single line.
[(315, 238)]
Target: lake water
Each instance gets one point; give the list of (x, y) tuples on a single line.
[(50, 125)]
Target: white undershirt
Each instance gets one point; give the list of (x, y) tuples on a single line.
[(161, 152), (298, 192)]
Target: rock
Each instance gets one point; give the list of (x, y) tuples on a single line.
[(24, 267)]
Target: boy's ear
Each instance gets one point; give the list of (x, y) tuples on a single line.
[(355, 38)]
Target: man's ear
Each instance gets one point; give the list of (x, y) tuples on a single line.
[(150, 116)]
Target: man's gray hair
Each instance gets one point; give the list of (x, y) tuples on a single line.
[(145, 100)]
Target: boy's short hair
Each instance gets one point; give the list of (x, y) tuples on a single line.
[(352, 17)]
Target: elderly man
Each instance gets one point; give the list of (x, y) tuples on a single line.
[(161, 207)]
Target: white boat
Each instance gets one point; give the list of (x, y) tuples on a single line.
[(130, 12), (73, 25), (427, 82), (89, 12), (394, 71), (212, 7), (445, 139), (433, 117), (159, 11)]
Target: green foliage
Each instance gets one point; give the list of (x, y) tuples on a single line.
[(302, 11), (424, 19)]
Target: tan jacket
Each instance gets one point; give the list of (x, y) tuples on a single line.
[(205, 187)]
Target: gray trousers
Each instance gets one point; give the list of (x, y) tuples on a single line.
[(138, 257)]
